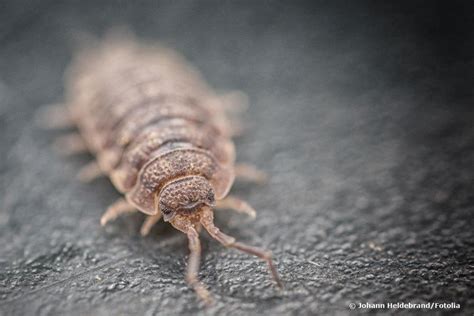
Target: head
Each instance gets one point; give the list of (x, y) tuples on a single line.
[(185, 196)]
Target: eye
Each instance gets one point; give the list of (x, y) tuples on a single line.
[(210, 199), (210, 196)]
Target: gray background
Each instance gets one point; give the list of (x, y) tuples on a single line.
[(360, 112)]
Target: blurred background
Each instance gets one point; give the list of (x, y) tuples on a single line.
[(360, 112)]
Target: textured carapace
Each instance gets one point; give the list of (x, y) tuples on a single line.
[(149, 119), (161, 135)]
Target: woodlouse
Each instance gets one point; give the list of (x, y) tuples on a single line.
[(161, 135)]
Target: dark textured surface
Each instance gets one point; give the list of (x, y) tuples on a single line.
[(362, 115)]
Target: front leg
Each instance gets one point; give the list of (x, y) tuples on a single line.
[(236, 204), (249, 173), (149, 222), (119, 207)]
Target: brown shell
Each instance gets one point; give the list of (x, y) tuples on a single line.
[(178, 163), (149, 118)]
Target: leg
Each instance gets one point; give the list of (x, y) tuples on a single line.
[(231, 128), (150, 221), (236, 130), (207, 220), (90, 172), (70, 144), (118, 208), (249, 173), (54, 116), (236, 204), (234, 102)]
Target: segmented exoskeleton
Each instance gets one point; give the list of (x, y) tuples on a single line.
[(161, 135)]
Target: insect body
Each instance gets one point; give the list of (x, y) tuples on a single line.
[(162, 136)]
